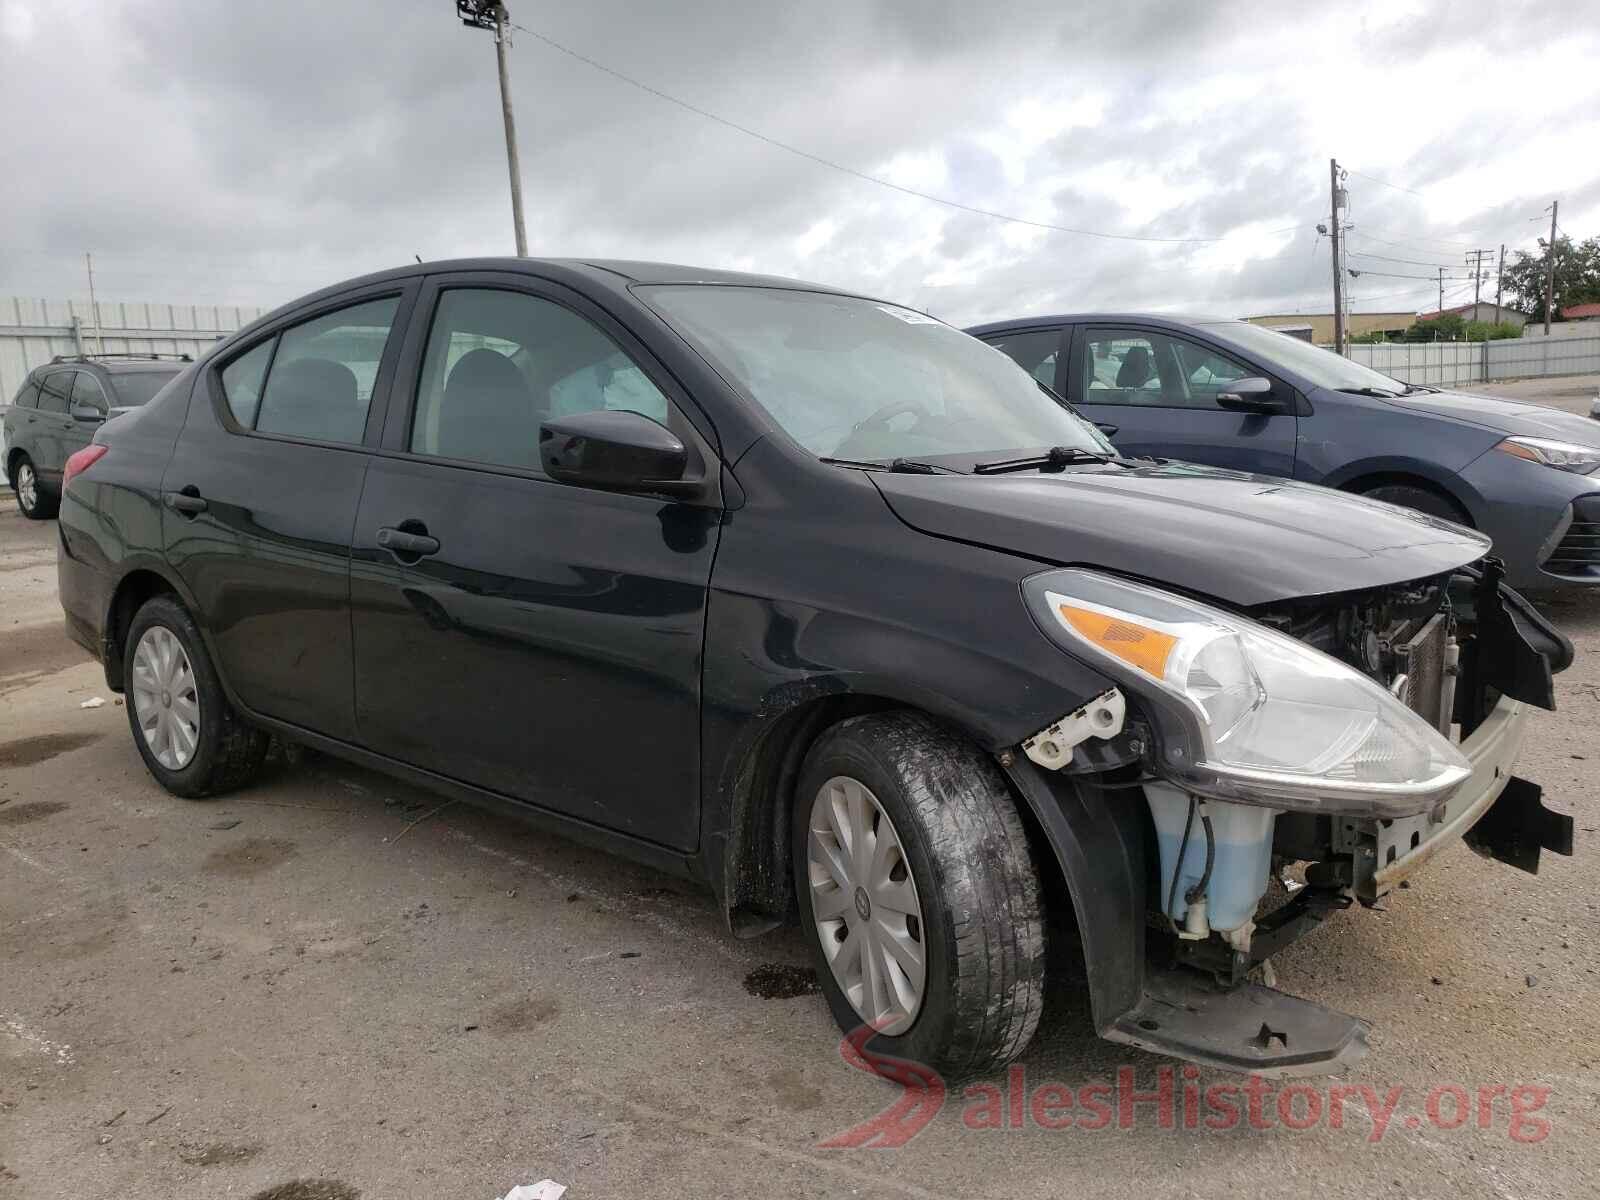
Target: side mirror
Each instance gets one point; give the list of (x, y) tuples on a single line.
[(615, 451), (87, 412), (1251, 394)]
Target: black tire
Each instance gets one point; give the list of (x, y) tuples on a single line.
[(1424, 500), (227, 752), (44, 504), (983, 919)]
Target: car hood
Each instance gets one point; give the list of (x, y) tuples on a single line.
[(1243, 539), (1507, 416)]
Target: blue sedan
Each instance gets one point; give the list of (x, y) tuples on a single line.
[(1236, 395)]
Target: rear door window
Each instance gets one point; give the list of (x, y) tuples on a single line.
[(54, 391), (321, 378)]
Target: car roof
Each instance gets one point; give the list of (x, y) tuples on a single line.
[(1176, 320), (614, 275), (608, 271), (133, 364)]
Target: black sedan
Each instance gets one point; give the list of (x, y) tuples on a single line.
[(817, 600)]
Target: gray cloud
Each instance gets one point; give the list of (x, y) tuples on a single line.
[(253, 152)]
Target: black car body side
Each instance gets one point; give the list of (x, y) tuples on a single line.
[(710, 639)]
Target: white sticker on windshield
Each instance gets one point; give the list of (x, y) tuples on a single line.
[(909, 316)]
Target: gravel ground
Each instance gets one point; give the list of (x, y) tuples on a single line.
[(323, 986)]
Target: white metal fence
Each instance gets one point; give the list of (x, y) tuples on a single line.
[(35, 331), (1447, 364)]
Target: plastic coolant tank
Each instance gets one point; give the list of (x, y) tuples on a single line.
[(1243, 834)]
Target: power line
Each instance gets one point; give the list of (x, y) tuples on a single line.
[(1415, 239), (1390, 275), (863, 175), (1410, 262), (1384, 182)]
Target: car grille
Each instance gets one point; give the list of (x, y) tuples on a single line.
[(1578, 553)]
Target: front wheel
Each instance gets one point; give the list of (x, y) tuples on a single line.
[(919, 893), (1424, 500), (189, 736), (36, 503)]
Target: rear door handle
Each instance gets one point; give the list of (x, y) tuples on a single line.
[(401, 541), (189, 501)]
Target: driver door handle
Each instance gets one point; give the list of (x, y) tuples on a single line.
[(400, 541), (189, 501)]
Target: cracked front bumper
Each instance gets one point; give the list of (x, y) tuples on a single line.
[(1390, 851)]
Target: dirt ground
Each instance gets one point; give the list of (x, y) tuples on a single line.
[(326, 986)]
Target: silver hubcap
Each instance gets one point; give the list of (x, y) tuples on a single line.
[(165, 699), (864, 903), (27, 486)]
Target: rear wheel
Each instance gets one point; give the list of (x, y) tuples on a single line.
[(919, 894), (189, 736), (32, 498), (1424, 500)]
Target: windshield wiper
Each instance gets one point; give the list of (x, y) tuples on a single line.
[(1413, 389), (1053, 459), (898, 466), (1376, 393)]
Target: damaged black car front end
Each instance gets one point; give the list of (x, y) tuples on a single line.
[(1464, 657)]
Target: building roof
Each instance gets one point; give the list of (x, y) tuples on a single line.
[(1327, 316), (1580, 312)]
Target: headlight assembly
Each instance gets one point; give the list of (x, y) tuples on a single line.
[(1244, 712), (1567, 456)]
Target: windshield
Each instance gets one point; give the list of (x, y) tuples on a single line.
[(1323, 368), (133, 388), (855, 379)]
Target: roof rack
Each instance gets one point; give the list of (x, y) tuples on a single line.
[(60, 358)]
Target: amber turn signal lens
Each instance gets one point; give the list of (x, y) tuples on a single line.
[(1147, 649)]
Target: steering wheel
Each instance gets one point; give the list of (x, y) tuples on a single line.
[(881, 418)]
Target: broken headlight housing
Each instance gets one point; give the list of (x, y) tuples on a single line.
[(1243, 712)]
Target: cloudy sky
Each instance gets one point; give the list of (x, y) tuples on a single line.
[(246, 153)]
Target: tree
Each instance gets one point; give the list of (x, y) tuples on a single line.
[(1446, 327), (1577, 277)]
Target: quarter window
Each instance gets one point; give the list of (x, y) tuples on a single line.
[(1144, 367), (498, 364), (28, 396), (54, 390), (242, 380), (321, 378)]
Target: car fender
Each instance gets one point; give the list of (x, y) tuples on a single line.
[(1393, 468)]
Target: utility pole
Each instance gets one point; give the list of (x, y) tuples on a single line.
[(491, 14), (1550, 272), (94, 306), (1474, 260), (1334, 194), (1441, 291), (1499, 282)]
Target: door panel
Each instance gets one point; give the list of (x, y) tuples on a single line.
[(259, 527), (1159, 391), (550, 649), (545, 641)]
